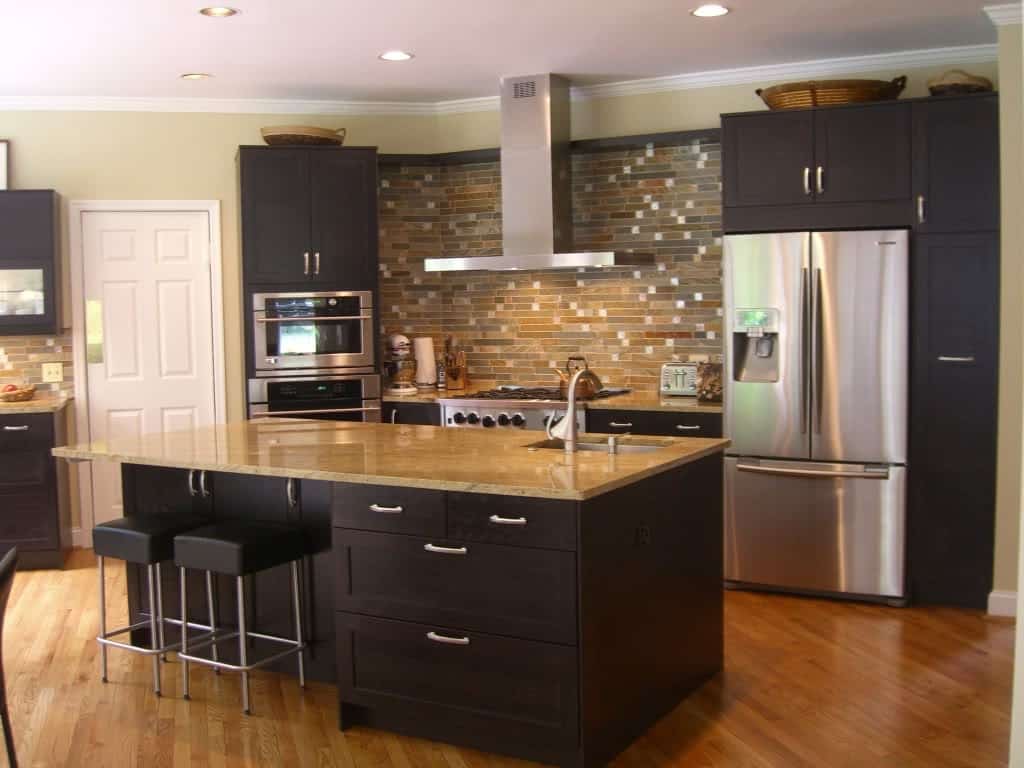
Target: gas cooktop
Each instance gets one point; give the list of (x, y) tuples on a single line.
[(508, 406)]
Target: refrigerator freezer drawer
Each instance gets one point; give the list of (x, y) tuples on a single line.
[(815, 526)]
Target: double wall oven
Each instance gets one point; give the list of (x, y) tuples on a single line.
[(313, 356)]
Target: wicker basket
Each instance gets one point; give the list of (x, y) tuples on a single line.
[(823, 93), (303, 135), (22, 395)]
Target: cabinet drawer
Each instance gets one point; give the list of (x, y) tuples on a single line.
[(655, 423), (513, 691), (30, 430), (389, 509), (516, 591), (495, 519)]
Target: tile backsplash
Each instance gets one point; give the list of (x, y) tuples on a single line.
[(22, 357), (660, 200)]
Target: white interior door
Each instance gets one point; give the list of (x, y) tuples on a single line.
[(149, 327)]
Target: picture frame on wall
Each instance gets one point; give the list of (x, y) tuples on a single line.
[(4, 147)]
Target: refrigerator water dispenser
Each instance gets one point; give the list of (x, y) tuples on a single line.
[(755, 347)]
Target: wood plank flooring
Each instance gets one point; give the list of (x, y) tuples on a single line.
[(807, 683)]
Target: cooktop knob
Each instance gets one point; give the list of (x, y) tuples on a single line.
[(488, 421), (473, 418), (459, 417), (504, 420), (518, 420)]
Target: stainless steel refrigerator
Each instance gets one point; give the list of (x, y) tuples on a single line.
[(816, 335)]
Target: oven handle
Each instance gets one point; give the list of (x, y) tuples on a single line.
[(322, 318), (313, 413)]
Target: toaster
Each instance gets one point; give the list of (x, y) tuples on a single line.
[(679, 379)]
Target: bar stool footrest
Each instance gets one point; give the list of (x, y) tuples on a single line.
[(296, 647)]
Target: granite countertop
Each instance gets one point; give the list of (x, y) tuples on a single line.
[(473, 460), (43, 402), (637, 400)]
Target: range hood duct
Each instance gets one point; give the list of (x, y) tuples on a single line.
[(536, 185)]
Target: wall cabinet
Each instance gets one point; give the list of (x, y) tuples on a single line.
[(29, 262), (309, 217)]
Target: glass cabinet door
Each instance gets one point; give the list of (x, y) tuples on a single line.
[(22, 293)]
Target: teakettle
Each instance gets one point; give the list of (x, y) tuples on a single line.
[(587, 386)]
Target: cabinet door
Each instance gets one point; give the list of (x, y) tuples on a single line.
[(765, 158), (29, 262), (863, 154), (956, 164), (343, 187), (953, 419), (28, 483), (275, 215)]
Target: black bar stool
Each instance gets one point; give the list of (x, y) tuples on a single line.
[(239, 548), (145, 540)]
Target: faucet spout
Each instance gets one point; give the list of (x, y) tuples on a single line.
[(565, 430)]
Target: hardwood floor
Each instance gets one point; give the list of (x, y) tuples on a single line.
[(807, 683)]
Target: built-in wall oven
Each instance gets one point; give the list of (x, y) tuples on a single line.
[(295, 332), (334, 397)]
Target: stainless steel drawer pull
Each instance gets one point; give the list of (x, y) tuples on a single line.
[(202, 485), (446, 550), (447, 640), (499, 520), (20, 428), (386, 510), (191, 482), (956, 359), (620, 424), (688, 427)]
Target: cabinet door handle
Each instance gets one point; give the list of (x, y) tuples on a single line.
[(499, 520), (620, 424), (821, 180), (447, 640), (202, 485), (445, 550), (191, 482), (807, 180), (316, 263), (394, 415), (956, 359), (290, 493), (386, 510), (305, 263), (19, 428), (688, 427), (920, 209)]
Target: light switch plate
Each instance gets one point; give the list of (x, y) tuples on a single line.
[(53, 372)]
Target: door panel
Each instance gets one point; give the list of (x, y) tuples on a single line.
[(766, 156), (859, 346), (343, 197), (275, 214), (811, 532), (149, 322), (768, 418)]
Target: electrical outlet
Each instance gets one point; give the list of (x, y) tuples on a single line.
[(53, 372)]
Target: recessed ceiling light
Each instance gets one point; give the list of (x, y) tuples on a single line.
[(218, 11), (709, 11), (196, 76), (395, 56)]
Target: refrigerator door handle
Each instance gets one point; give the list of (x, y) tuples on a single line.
[(805, 347), (864, 473), (817, 373)]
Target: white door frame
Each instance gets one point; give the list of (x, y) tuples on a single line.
[(76, 208)]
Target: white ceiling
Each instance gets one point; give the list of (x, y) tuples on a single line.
[(327, 49)]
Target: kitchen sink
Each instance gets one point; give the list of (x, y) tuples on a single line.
[(594, 446)]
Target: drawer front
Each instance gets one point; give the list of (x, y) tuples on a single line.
[(388, 509), (515, 691), (25, 469), (30, 430), (28, 520), (655, 423), (494, 519), (515, 591)]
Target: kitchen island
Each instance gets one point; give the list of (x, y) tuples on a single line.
[(466, 587)]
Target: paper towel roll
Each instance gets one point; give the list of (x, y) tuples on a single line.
[(426, 363)]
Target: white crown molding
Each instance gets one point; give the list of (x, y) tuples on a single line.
[(849, 65), (1003, 15)]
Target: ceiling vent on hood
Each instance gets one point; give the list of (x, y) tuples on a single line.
[(536, 185)]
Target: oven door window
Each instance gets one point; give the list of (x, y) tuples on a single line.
[(21, 293), (320, 336)]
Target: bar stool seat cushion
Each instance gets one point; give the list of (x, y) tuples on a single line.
[(238, 547), (145, 539)]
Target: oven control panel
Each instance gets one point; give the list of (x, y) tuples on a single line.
[(485, 417)]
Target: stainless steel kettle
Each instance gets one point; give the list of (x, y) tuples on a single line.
[(587, 386)]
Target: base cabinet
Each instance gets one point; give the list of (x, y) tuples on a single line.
[(660, 423)]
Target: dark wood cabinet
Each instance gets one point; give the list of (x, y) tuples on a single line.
[(661, 423), (953, 418), (30, 261), (956, 164), (309, 217), (768, 158), (34, 489), (427, 414)]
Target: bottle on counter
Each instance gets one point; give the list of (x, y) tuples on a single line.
[(442, 376)]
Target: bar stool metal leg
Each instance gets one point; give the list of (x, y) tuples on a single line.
[(242, 641), (212, 609), (296, 596), (103, 619), (160, 609), (184, 633), (154, 621)]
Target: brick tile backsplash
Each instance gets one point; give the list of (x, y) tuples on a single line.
[(664, 201), (21, 359)]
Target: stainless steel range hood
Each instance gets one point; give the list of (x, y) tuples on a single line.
[(536, 184)]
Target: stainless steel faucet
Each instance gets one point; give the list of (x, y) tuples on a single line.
[(565, 430)]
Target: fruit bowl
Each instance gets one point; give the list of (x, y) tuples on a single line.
[(19, 395)]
